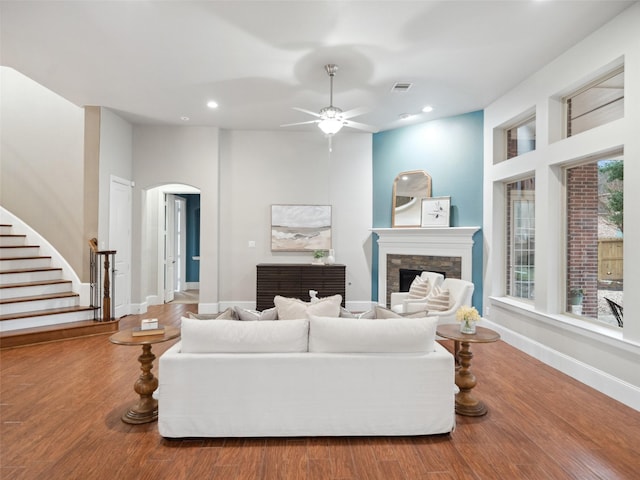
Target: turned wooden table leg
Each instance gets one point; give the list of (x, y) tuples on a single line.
[(466, 403), (146, 410)]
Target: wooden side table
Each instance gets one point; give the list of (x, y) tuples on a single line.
[(146, 409), (466, 403)]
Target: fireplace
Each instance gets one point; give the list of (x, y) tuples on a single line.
[(407, 275), (446, 250)]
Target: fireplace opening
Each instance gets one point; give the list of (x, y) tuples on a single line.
[(407, 275)]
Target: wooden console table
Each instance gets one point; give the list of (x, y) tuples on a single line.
[(295, 280), (146, 409), (466, 403)]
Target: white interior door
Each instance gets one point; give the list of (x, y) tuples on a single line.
[(180, 243), (120, 241), (169, 246)]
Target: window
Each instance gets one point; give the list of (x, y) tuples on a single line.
[(521, 238), (594, 239), (521, 138), (596, 104)]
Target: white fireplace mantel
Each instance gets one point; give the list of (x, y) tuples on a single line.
[(432, 241)]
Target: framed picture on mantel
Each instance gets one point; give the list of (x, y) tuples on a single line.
[(436, 211), (300, 228)]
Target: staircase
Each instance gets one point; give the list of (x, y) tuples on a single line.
[(36, 303)]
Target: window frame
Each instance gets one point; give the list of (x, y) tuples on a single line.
[(589, 85)]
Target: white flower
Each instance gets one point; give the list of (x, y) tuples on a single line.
[(466, 314)]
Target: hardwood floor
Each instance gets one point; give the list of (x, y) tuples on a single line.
[(61, 405)]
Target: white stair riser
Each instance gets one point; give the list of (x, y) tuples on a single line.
[(19, 252), (20, 307), (45, 320), (12, 241), (30, 290), (24, 277), (5, 229), (11, 264)]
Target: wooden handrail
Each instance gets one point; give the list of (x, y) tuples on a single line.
[(93, 243)]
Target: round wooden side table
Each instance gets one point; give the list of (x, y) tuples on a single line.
[(466, 403), (146, 409)]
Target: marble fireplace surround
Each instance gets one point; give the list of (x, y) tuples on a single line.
[(454, 243)]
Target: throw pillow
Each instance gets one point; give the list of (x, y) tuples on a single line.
[(344, 313), (228, 314), (419, 288), (350, 335), (294, 308), (229, 336), (254, 315), (438, 300)]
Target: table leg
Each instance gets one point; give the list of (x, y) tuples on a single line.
[(146, 410), (456, 352), (466, 403)]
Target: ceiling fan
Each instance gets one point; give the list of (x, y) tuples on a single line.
[(331, 119)]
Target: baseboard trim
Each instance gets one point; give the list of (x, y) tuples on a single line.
[(597, 379)]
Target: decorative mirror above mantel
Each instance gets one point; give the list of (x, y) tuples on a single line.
[(409, 188)]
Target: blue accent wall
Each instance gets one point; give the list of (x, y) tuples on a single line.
[(193, 237), (451, 151)]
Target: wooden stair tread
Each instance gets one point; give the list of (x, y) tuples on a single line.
[(50, 311), (34, 257), (30, 270), (35, 284), (18, 246), (52, 333), (31, 298)]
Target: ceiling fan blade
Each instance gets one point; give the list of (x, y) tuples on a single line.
[(354, 112), (299, 123), (360, 126), (306, 111)]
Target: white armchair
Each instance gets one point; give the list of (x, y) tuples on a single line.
[(460, 293), (400, 301)]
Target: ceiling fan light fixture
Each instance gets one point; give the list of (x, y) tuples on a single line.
[(330, 126)]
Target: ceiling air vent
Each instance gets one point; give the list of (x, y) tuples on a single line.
[(401, 87)]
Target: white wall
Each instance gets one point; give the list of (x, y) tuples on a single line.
[(116, 158), (601, 356), (43, 163), (261, 168), (164, 155)]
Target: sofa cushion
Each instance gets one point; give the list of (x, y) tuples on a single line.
[(419, 288), (383, 313), (230, 336), (294, 308), (352, 335), (250, 315), (438, 300), (228, 314)]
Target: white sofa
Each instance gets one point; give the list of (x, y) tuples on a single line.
[(308, 377)]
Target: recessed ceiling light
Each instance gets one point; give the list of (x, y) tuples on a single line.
[(427, 109), (185, 119), (405, 116), (212, 104)]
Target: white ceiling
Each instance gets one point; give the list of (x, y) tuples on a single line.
[(157, 61)]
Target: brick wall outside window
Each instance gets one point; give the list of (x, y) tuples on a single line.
[(582, 234)]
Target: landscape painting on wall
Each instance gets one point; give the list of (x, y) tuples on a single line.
[(300, 228)]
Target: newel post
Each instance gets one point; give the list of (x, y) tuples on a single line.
[(106, 297)]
